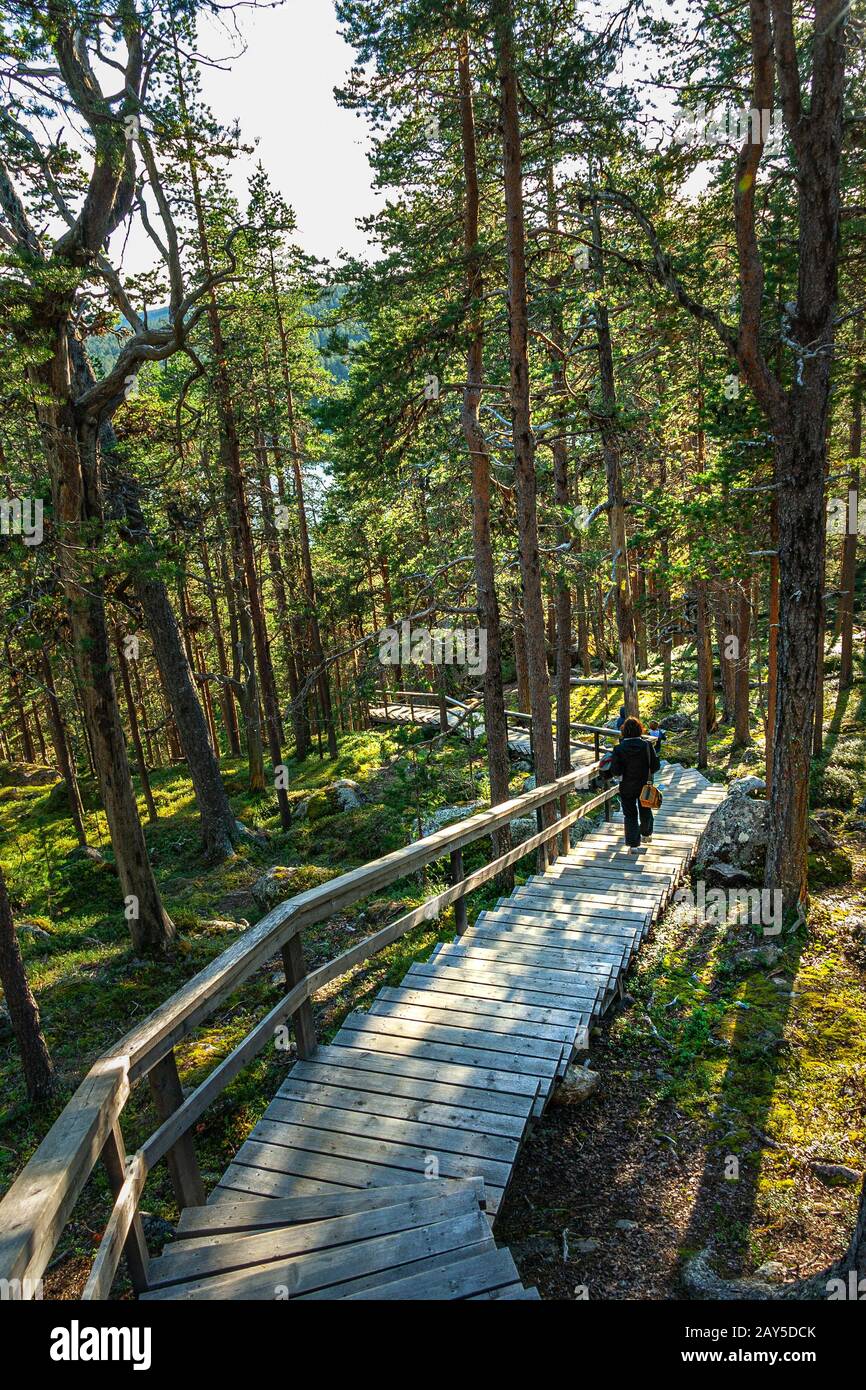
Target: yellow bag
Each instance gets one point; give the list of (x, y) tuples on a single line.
[(651, 796)]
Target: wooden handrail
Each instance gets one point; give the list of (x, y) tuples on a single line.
[(39, 1202)]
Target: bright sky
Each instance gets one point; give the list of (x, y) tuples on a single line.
[(281, 89)]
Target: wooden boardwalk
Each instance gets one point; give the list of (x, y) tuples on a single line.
[(519, 745), (378, 1169)]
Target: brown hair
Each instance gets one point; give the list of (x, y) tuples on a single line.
[(632, 728)]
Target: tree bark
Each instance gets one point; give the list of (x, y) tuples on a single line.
[(65, 761), (523, 439), (495, 720), (23, 1009)]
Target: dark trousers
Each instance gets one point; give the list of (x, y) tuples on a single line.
[(638, 819)]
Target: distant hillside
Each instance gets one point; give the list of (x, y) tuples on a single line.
[(104, 350)]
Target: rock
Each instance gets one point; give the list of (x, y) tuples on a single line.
[(27, 775), (586, 1246), (446, 814), (217, 924), (677, 723), (861, 807), (748, 786), (624, 1225), (541, 1246), (577, 1084), (529, 784), (5, 1023), (721, 875), (348, 794), (773, 1271), (523, 765), (522, 828), (736, 834), (86, 852), (156, 1228), (836, 1174), (282, 882), (33, 929)]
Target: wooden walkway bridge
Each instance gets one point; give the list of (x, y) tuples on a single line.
[(467, 721), (378, 1169)]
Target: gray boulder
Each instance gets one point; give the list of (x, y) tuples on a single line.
[(748, 786), (677, 723), (446, 814), (737, 834), (348, 794), (284, 881), (577, 1084), (721, 875)]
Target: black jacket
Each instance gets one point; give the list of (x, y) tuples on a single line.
[(632, 761)]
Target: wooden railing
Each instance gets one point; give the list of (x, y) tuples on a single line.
[(38, 1205)]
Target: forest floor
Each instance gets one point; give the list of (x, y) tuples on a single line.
[(709, 1059)]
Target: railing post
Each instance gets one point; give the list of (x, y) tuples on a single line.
[(303, 1024), (543, 859), (596, 738), (607, 810), (460, 920), (411, 709), (183, 1166), (135, 1248)]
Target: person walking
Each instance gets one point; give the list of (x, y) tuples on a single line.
[(634, 760)]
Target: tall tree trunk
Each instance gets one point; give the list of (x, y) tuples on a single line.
[(616, 511), (495, 719), (220, 831), (848, 581), (73, 458), (65, 760), (742, 731), (230, 720), (23, 1009), (523, 439), (122, 662)]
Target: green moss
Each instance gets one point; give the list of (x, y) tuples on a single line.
[(830, 867)]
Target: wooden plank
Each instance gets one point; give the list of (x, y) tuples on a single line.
[(617, 900), (262, 1214), (581, 903), (560, 1021), (326, 1155), (378, 1279), (418, 1111), (389, 1081), (505, 926), (364, 1056), (494, 1270), (284, 1111), (602, 966), (536, 912), (506, 947), (453, 1017), (327, 1268), (558, 973), (455, 1044), (124, 1229), (564, 989), (221, 1254), (427, 977)]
